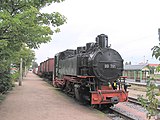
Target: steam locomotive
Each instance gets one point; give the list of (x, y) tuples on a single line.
[(92, 73)]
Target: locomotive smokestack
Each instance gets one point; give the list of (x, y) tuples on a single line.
[(102, 40)]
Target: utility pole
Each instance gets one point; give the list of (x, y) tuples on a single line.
[(25, 71), (20, 77)]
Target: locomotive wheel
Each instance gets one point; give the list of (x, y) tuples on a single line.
[(99, 107), (109, 105), (77, 93)]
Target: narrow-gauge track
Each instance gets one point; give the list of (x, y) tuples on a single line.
[(129, 111), (119, 115), (135, 101), (126, 111)]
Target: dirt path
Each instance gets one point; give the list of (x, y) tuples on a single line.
[(36, 100)]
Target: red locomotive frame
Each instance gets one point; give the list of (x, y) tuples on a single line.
[(99, 96)]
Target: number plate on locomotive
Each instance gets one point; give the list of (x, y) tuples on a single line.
[(106, 66)]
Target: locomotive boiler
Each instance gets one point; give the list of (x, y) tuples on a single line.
[(92, 73)]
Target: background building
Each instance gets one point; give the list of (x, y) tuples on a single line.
[(136, 72)]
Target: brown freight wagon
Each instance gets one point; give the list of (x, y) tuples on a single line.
[(46, 68)]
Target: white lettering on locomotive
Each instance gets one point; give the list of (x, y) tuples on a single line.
[(106, 66)]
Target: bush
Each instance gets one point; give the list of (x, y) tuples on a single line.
[(151, 103), (5, 82), (15, 76)]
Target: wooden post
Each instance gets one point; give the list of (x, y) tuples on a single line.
[(20, 77), (25, 71)]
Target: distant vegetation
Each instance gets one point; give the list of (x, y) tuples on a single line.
[(155, 76)]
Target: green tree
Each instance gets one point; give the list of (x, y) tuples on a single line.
[(22, 22), (26, 54), (34, 64), (22, 25), (151, 69), (156, 52)]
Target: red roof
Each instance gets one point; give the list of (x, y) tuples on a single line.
[(153, 65)]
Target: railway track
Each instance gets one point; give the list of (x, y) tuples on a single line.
[(135, 101), (119, 115), (131, 110), (128, 111)]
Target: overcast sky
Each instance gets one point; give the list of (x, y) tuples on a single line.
[(131, 26)]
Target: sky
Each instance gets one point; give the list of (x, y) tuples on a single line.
[(131, 26)]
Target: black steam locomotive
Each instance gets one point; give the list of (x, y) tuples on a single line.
[(91, 73)]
